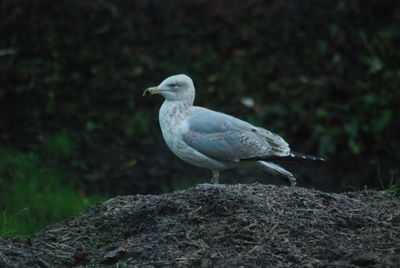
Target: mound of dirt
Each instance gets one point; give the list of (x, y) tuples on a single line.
[(221, 226)]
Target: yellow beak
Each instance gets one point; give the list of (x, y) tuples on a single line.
[(151, 91)]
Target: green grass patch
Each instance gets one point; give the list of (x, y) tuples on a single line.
[(60, 144), (394, 189), (34, 195)]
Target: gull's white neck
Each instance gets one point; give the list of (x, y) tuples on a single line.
[(171, 115), (173, 112)]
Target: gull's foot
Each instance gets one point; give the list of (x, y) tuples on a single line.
[(214, 180), (210, 185)]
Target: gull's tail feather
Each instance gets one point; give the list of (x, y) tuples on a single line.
[(278, 170), (305, 156), (292, 156)]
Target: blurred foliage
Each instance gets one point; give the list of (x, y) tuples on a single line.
[(33, 195), (324, 74), (394, 190), (59, 145)]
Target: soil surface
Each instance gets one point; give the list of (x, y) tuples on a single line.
[(238, 225)]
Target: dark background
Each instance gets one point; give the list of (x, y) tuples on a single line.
[(325, 75)]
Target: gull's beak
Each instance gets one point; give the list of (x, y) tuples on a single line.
[(151, 91)]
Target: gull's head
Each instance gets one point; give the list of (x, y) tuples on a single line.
[(174, 88)]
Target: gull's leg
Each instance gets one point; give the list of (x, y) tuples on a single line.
[(215, 177)]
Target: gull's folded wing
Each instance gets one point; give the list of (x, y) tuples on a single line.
[(226, 138)]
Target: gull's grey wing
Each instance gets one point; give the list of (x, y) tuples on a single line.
[(226, 138)]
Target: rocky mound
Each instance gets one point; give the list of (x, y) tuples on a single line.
[(221, 226)]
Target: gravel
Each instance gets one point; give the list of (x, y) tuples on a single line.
[(241, 225)]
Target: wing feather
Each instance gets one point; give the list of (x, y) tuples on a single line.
[(226, 138)]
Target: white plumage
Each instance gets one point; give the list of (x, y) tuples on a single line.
[(214, 140)]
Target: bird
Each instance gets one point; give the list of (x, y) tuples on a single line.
[(214, 140)]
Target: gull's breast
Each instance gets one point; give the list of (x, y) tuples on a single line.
[(172, 126)]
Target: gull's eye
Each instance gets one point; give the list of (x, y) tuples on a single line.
[(174, 85)]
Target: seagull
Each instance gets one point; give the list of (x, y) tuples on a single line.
[(214, 140)]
